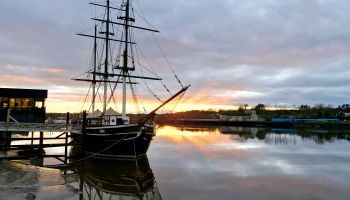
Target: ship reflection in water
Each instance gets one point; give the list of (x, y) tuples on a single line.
[(87, 180), (114, 179)]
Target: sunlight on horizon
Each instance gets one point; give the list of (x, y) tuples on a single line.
[(77, 106)]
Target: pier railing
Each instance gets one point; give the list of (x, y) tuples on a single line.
[(37, 127)]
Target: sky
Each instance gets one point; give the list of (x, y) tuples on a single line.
[(232, 52)]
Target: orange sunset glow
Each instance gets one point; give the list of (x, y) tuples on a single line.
[(75, 104), (175, 99)]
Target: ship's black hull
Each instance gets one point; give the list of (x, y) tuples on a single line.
[(114, 142)]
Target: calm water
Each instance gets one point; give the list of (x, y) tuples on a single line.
[(201, 163)]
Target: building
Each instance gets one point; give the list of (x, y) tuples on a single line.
[(26, 105), (249, 116), (237, 118)]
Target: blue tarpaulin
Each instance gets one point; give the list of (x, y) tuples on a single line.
[(302, 120)]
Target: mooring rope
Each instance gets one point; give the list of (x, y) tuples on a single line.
[(93, 155)]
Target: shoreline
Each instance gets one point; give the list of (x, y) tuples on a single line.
[(269, 124)]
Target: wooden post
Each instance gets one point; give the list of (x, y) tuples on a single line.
[(66, 140), (67, 118), (66, 148), (81, 187), (32, 143), (41, 142), (8, 115), (8, 140), (84, 133)]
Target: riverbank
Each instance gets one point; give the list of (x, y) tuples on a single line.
[(271, 124)]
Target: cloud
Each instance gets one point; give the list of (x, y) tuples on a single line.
[(269, 51), (34, 75)]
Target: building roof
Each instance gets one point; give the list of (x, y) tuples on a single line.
[(22, 93)]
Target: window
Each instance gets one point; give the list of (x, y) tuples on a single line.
[(12, 102), (18, 104), (39, 104), (27, 103), (5, 102), (30, 103), (24, 104)]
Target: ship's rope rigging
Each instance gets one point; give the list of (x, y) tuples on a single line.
[(142, 15), (114, 88), (115, 61), (146, 68), (136, 102)]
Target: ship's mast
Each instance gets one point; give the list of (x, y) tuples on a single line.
[(125, 59), (105, 76), (94, 74), (108, 37)]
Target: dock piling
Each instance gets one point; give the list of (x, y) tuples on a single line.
[(41, 142)]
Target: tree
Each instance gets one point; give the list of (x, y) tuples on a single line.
[(260, 107), (345, 107), (241, 109), (245, 106), (304, 107)]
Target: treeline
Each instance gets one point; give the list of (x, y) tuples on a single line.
[(304, 111), (267, 113)]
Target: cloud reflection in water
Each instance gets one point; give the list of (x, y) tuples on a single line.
[(204, 163)]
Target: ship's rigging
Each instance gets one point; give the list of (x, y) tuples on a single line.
[(108, 72)]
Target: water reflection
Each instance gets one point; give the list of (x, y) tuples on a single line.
[(250, 163), (200, 163), (269, 135), (75, 177), (114, 179), (278, 135), (87, 180)]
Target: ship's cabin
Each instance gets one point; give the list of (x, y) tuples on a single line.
[(110, 118)]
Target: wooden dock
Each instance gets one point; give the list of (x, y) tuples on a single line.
[(28, 141), (36, 127), (36, 140)]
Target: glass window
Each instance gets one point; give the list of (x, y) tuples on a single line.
[(39, 104), (27, 103), (12, 102), (18, 104), (24, 104), (5, 102)]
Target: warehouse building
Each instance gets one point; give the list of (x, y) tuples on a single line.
[(26, 105)]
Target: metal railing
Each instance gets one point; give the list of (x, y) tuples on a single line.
[(37, 127)]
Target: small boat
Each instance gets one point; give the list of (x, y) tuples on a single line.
[(106, 133)]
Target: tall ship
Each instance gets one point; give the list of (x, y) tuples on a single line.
[(107, 133)]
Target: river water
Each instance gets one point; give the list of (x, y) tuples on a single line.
[(201, 163)]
